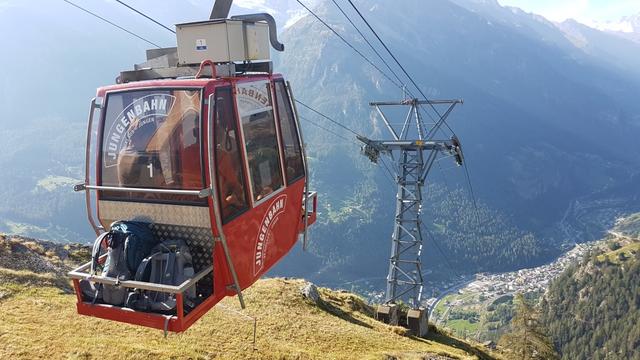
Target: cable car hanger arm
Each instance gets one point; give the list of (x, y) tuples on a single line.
[(221, 10)]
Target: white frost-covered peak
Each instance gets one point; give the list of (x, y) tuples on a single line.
[(623, 26)]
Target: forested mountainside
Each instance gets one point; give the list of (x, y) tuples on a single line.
[(592, 311)]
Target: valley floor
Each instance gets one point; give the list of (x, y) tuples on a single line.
[(481, 308), (468, 310)]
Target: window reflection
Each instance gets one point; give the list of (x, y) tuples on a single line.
[(258, 125), (294, 167), (151, 139), (231, 184)]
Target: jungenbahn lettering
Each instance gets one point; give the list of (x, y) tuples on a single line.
[(265, 234), (154, 107), (254, 93)]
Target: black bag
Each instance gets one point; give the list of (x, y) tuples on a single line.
[(170, 263)]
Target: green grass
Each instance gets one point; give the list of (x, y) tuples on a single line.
[(441, 307), (51, 183), (628, 250), (460, 326), (38, 320)]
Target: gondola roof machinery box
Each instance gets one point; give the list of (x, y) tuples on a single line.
[(222, 41)]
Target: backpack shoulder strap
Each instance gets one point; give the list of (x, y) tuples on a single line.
[(144, 269), (170, 270), (95, 253)]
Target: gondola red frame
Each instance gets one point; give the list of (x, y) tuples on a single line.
[(234, 259)]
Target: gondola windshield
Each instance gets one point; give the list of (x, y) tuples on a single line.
[(151, 139)]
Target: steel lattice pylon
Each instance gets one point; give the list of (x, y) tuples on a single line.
[(405, 274), (413, 160)]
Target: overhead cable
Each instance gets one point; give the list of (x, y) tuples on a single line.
[(145, 15), (112, 23), (466, 169), (395, 59), (348, 43), (368, 42), (444, 256), (324, 128), (327, 117)]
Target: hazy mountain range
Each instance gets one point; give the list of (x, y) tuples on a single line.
[(549, 129), (550, 126)]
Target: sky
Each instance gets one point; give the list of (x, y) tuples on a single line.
[(602, 14), (586, 11)]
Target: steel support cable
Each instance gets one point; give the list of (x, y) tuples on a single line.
[(433, 240), (145, 15), (394, 58), (376, 51), (393, 174), (404, 89), (449, 189), (326, 117), (348, 44), (473, 197), (325, 129), (112, 23), (368, 42), (401, 67), (359, 53), (391, 177), (391, 182)]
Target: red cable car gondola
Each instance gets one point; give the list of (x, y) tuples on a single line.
[(203, 145)]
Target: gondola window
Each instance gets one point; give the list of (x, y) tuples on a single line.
[(292, 153), (261, 142), (231, 184)]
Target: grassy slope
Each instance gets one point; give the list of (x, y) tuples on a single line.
[(628, 251), (38, 320)]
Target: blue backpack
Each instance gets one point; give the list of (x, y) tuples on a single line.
[(139, 240), (128, 243), (135, 238)]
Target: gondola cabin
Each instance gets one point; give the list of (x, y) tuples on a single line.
[(201, 145)]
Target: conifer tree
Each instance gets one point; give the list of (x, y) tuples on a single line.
[(527, 339)]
